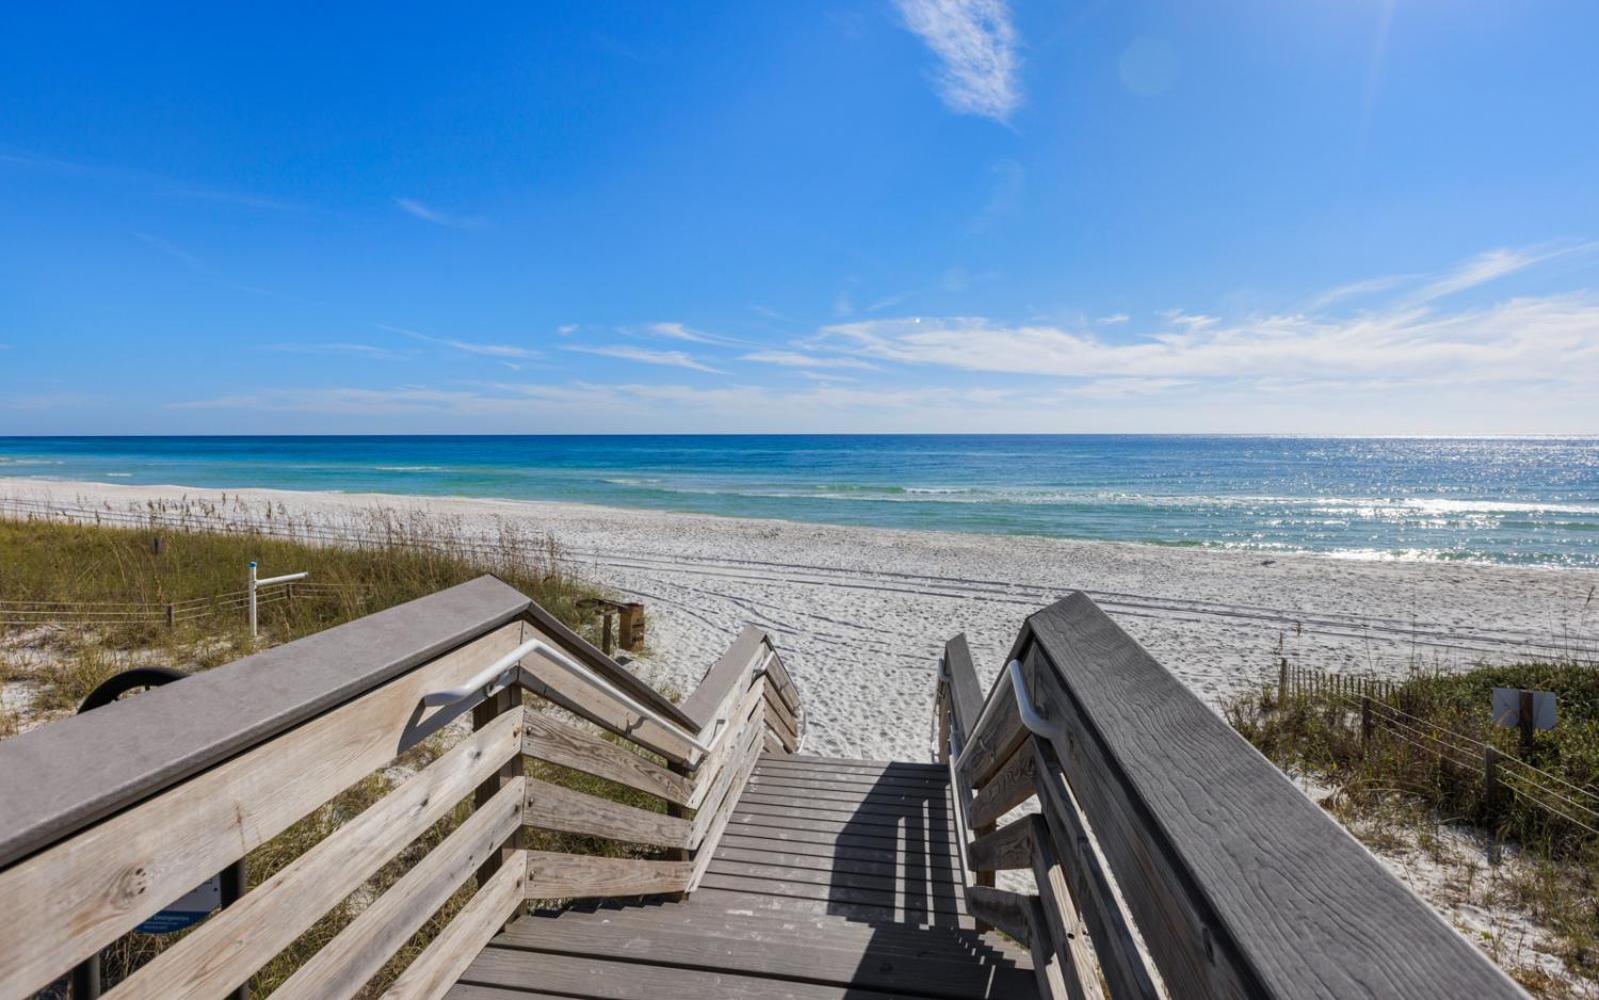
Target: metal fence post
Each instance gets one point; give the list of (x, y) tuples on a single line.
[(252, 601)]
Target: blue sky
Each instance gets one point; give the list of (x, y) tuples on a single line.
[(1319, 216)]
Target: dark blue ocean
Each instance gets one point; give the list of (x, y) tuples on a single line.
[(1527, 500)]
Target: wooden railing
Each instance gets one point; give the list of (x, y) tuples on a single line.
[(107, 817), (1167, 854)]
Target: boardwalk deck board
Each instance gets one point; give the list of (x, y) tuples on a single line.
[(856, 894)]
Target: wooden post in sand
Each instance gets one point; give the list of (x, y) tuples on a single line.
[(632, 627)]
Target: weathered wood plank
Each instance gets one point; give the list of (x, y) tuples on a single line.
[(763, 905), (1121, 961), (226, 950), (557, 742), (778, 671), (783, 718), (1047, 964), (711, 778), (551, 807), (864, 848), (705, 915), (1240, 884), (342, 966), (551, 875), (1000, 734), (1010, 786), (881, 863), (553, 682), (809, 841), (924, 963), (134, 748), (799, 819), (787, 828), (845, 784), (500, 703), (721, 815), (1008, 911), (71, 900), (587, 977), (854, 765), (716, 688), (919, 883), (909, 903), (1008, 848), (441, 963), (965, 693), (934, 808), (1057, 912), (584, 652)]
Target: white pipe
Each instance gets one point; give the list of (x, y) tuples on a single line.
[(583, 673), (287, 578), (256, 583), (486, 680), (1032, 718)]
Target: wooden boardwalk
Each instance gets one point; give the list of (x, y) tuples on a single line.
[(835, 878), (1167, 857)]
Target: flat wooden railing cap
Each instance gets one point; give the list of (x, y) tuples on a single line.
[(1201, 830), (62, 777)]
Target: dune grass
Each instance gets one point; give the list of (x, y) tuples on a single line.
[(398, 558), (1395, 787)]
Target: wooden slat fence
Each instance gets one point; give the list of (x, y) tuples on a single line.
[(1378, 707), (88, 613), (1168, 855), (86, 853)]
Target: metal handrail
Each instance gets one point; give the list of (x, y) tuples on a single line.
[(587, 676), (503, 671), (487, 681), (1032, 718)]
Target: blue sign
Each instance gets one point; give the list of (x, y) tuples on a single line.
[(186, 911)]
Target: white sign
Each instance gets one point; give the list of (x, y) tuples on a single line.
[(188, 910), (1507, 708)]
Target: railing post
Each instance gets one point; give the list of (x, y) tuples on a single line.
[(484, 713)]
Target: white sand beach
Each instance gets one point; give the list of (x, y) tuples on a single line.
[(861, 613)]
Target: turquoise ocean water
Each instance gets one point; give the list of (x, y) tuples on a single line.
[(1525, 500)]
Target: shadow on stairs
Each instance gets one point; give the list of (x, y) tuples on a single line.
[(835, 878)]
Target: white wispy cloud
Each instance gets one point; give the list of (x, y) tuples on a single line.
[(567, 329), (154, 183), (171, 250), (1549, 338), (464, 346), (683, 332), (795, 359), (976, 46), (643, 355), (427, 213), (1486, 267), (368, 351)]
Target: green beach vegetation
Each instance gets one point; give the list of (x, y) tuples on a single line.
[(80, 602), (1410, 775)]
